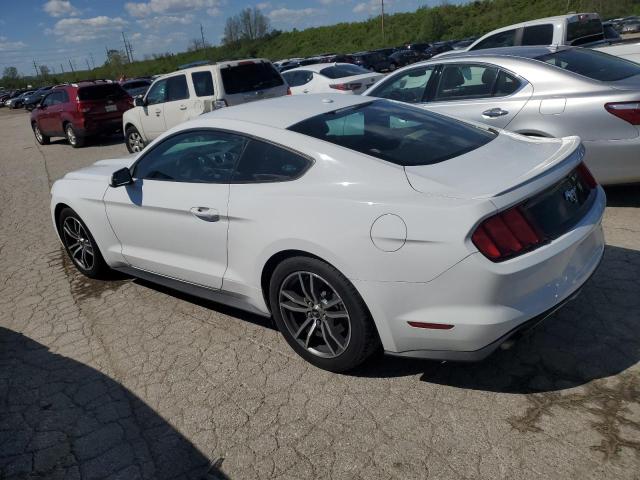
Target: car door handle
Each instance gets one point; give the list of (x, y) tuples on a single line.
[(206, 214), (183, 107), (494, 112), (158, 112)]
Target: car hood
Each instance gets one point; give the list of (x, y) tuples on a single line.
[(101, 170), (505, 163)]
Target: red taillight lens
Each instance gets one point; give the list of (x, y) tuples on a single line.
[(83, 107), (346, 86), (505, 235), (587, 176), (627, 111)]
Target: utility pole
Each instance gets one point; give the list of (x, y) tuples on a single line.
[(126, 47), (88, 66), (92, 60), (61, 68), (71, 65), (382, 4), (130, 49), (202, 35), (35, 67)]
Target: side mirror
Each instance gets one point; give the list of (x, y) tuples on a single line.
[(138, 102), (121, 177)]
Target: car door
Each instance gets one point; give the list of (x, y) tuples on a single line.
[(44, 113), (177, 107), (172, 220), (479, 92), (56, 111), (152, 113)]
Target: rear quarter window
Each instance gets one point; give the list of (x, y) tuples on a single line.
[(202, 83), (341, 71), (250, 77), (538, 35), (592, 64)]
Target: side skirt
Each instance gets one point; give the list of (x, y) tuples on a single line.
[(219, 296)]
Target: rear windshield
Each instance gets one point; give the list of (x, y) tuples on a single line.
[(132, 85), (592, 64), (341, 71), (580, 32), (250, 77), (101, 92), (396, 133)]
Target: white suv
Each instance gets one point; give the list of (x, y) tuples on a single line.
[(180, 96)]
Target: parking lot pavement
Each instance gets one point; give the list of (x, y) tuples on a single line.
[(123, 379)]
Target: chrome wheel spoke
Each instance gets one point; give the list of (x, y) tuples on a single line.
[(304, 290), (68, 231), (337, 314), (324, 336), (313, 294), (302, 327), (311, 330), (332, 335), (295, 308)]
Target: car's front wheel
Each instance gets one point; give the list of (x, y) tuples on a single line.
[(80, 245), (72, 137), (41, 138), (321, 315), (135, 143)]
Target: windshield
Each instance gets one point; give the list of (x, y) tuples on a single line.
[(341, 71), (592, 64), (584, 31), (396, 133), (250, 77)]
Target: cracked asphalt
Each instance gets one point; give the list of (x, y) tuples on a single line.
[(126, 380)]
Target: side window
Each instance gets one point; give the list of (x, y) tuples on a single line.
[(466, 81), (294, 79), (538, 35), (502, 39), (264, 162), (177, 88), (157, 93), (305, 77), (202, 83), (408, 87), (64, 96), (506, 84), (194, 157), (49, 99)]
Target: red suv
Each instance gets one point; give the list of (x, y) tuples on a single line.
[(80, 110)]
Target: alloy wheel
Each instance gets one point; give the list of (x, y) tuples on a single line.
[(38, 133), (78, 243), (135, 141), (314, 313), (71, 135)]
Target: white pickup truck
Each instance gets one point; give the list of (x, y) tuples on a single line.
[(579, 29)]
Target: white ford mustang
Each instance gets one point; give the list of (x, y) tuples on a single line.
[(355, 222)]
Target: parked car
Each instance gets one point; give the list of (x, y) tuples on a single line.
[(580, 29), (18, 100), (33, 100), (376, 62), (631, 26), (438, 48), (537, 91), (136, 87), (611, 35), (330, 78), (406, 57), (342, 58), (355, 222), (80, 110), (185, 94), (424, 46)]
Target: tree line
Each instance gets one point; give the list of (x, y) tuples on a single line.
[(249, 34)]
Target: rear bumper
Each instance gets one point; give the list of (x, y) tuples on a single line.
[(98, 127), (614, 161), (485, 302)]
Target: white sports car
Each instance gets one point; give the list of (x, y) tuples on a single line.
[(355, 222)]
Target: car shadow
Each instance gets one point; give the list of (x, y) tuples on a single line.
[(99, 141), (623, 196), (595, 336), (60, 418)]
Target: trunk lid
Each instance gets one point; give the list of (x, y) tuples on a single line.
[(500, 166), (103, 102), (365, 81)]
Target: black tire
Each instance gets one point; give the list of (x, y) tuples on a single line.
[(130, 140), (363, 338), (41, 138), (97, 268), (72, 137)]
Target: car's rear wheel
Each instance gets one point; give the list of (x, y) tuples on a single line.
[(321, 315), (41, 138), (80, 245), (72, 137), (135, 143)]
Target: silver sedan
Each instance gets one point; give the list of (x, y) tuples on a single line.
[(537, 91)]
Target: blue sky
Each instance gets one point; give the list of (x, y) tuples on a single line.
[(52, 32)]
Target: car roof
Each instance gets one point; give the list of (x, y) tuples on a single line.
[(317, 67), (282, 112), (522, 52)]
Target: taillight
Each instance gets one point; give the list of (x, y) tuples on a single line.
[(506, 235), (627, 111), (346, 86), (83, 107), (587, 176), (288, 90)]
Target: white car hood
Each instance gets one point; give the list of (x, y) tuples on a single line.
[(101, 170), (505, 163)]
